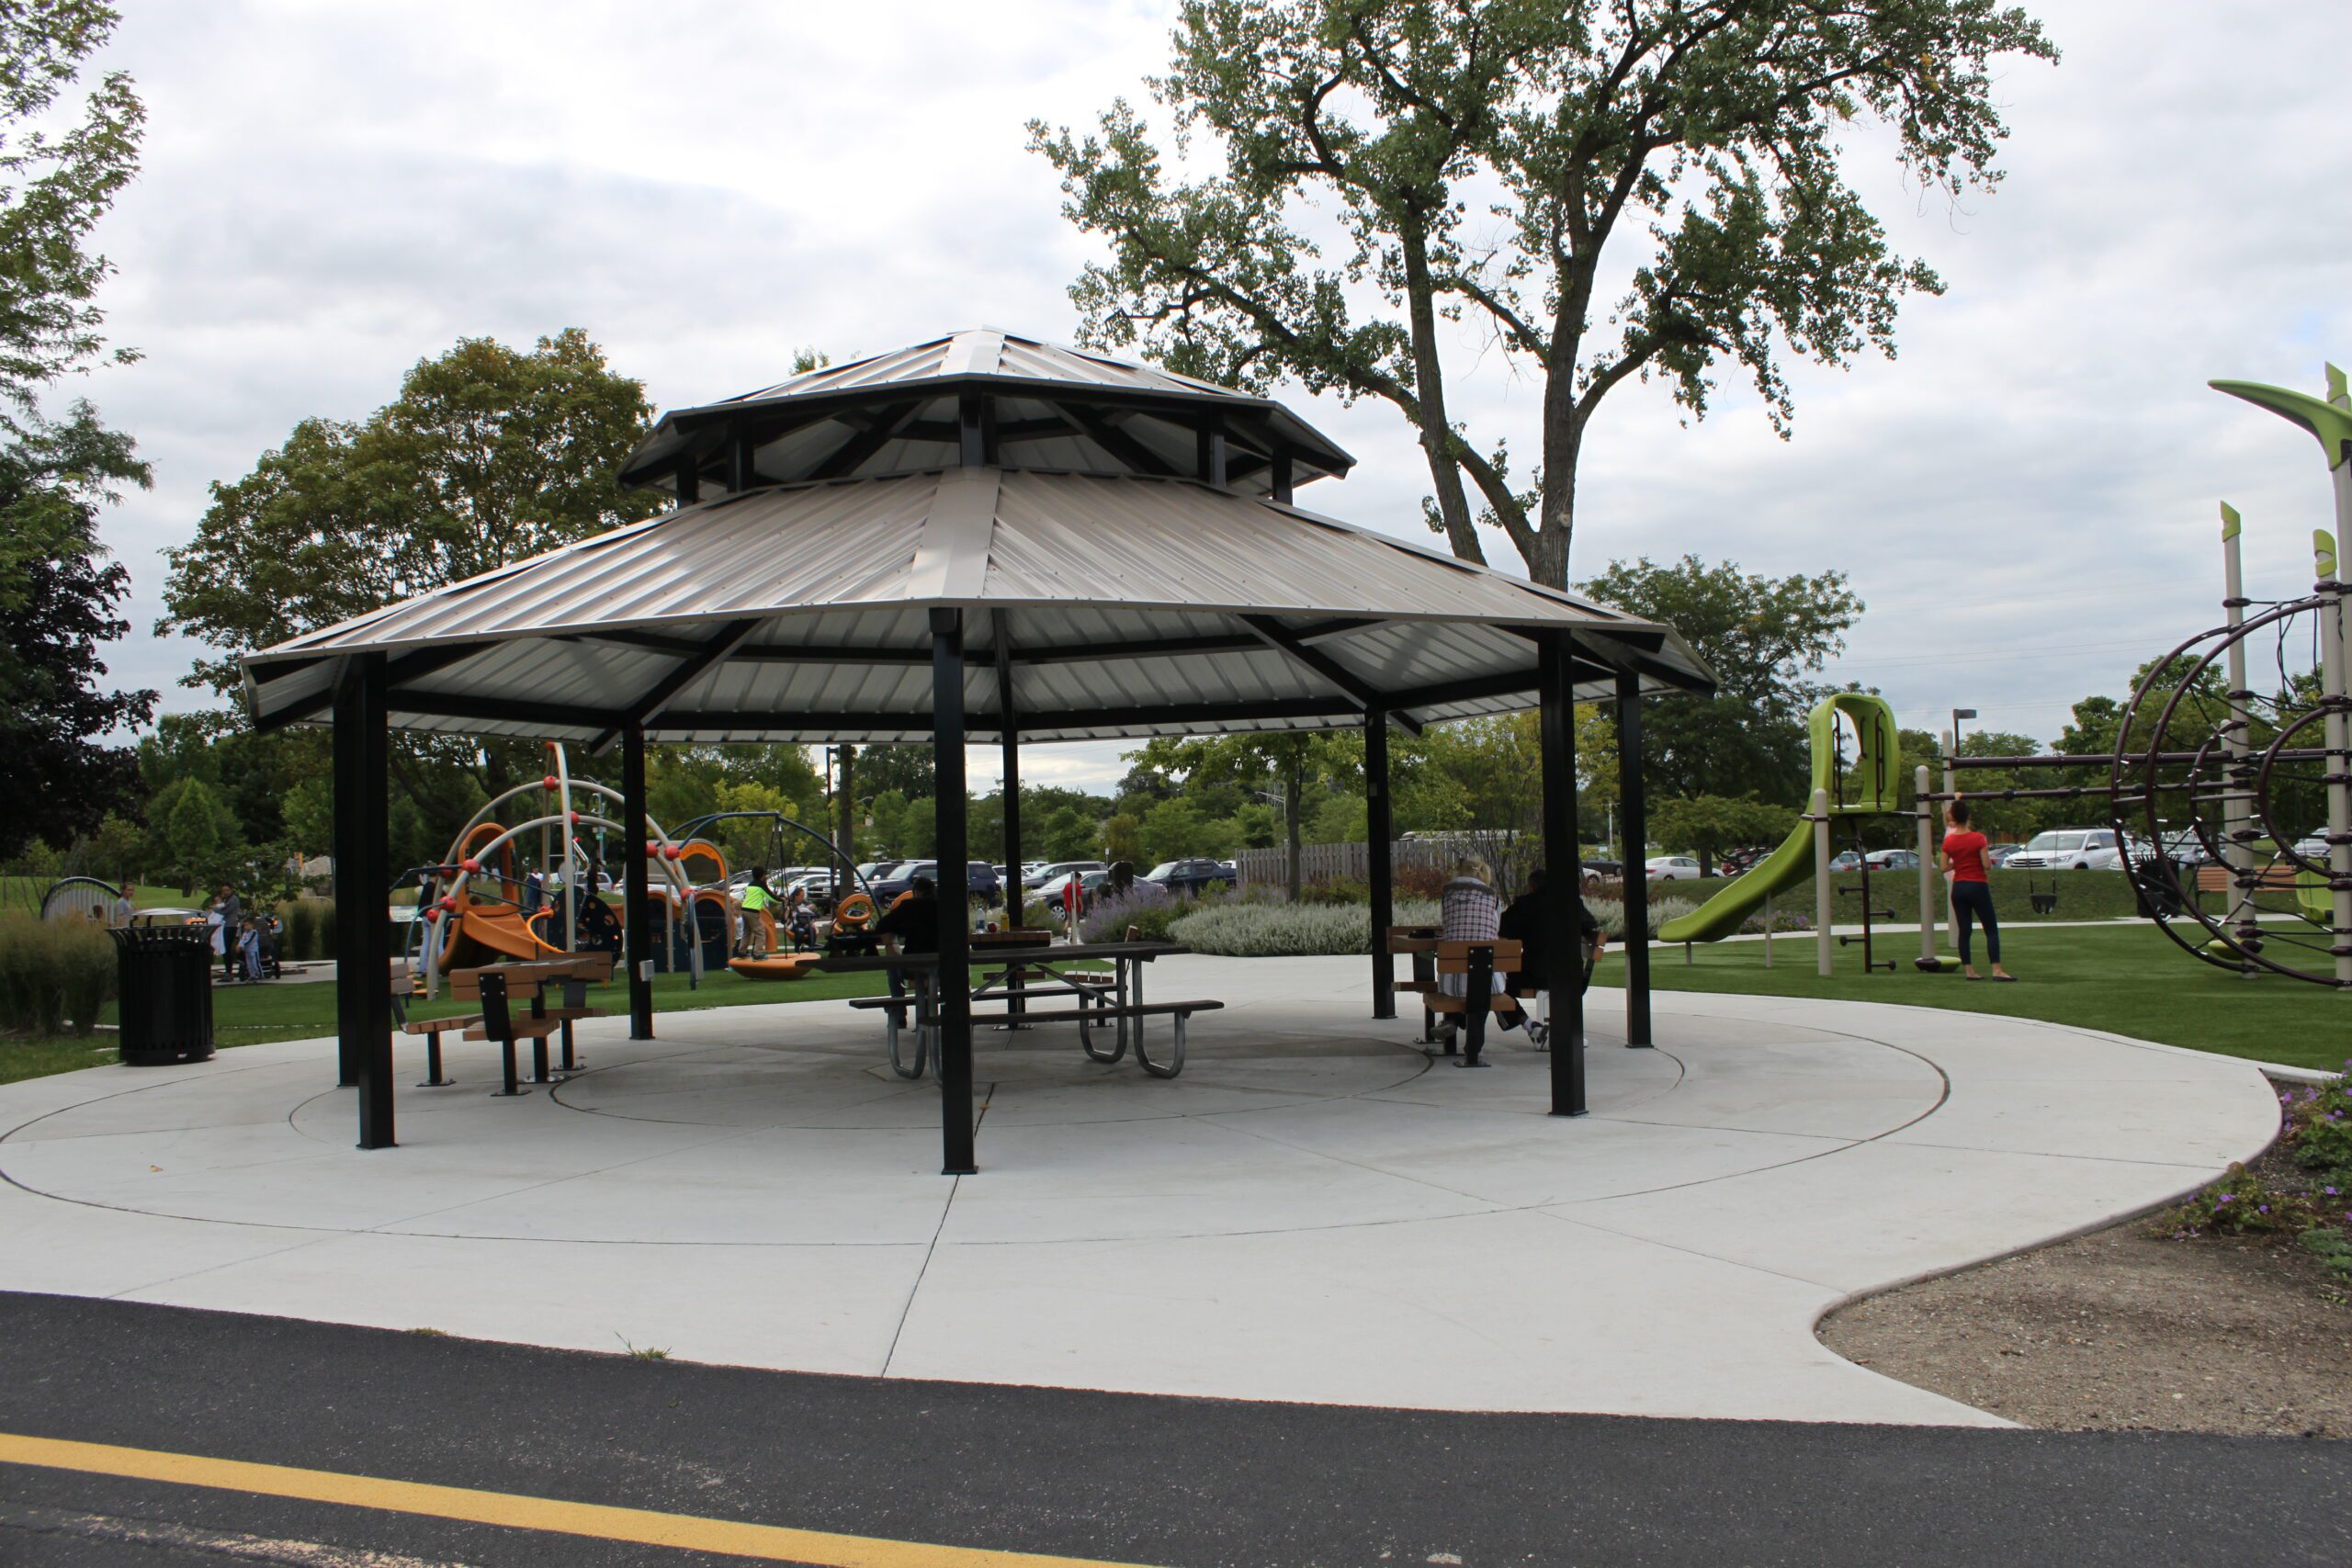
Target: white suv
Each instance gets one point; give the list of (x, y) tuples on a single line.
[(2066, 849)]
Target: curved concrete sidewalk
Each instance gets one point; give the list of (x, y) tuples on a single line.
[(1313, 1211)]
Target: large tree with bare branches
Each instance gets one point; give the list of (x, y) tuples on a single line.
[(1503, 161)]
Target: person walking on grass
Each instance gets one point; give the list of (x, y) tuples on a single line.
[(1963, 863)]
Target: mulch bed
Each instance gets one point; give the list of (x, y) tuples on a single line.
[(2127, 1329)]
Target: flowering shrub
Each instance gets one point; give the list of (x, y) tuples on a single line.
[(2319, 1126), (2241, 1204), (1146, 906)]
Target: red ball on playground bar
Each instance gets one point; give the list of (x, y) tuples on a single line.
[(470, 865), (431, 916), (574, 815), (653, 846), (550, 781), (670, 852), (446, 904)]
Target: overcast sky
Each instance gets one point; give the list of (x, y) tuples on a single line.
[(2025, 499)]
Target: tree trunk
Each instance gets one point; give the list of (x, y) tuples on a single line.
[(1293, 795), (1429, 389), (1557, 526), (847, 799)]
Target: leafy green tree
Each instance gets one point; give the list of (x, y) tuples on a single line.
[(486, 455), (56, 613), (1764, 639), (201, 836), (1122, 837), (65, 153), (310, 817), (1176, 829), (1707, 825), (1497, 162), (1068, 833), (1288, 759)]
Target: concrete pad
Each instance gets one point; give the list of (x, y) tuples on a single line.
[(1314, 1211)]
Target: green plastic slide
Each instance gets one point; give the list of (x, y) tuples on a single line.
[(1878, 769)]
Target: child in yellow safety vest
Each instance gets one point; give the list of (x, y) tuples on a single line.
[(754, 903)]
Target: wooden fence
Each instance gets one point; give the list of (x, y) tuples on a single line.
[(1352, 862)]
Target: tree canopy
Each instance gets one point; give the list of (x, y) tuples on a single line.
[(62, 164), (488, 455), (1501, 164), (1765, 639)]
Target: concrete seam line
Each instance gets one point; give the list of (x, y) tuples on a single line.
[(725, 1537)]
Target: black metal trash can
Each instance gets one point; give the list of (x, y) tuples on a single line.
[(166, 990)]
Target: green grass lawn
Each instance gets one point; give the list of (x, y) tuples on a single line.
[(2126, 979), (25, 893), (282, 1010)]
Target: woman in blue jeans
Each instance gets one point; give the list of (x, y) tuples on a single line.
[(1963, 863)]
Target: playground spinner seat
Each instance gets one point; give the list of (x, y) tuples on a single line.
[(778, 966)]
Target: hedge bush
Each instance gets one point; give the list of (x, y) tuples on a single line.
[(1255, 929), (54, 972)]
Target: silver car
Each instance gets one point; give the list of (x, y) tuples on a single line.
[(2065, 849)]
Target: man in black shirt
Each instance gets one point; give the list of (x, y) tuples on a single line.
[(914, 921), (1524, 920)]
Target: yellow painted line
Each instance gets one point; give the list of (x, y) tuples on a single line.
[(727, 1538)]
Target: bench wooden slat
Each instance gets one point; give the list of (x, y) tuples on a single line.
[(1099, 1015), (525, 1028), (2221, 879)]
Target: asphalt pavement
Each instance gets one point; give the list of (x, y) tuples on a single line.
[(1067, 1474)]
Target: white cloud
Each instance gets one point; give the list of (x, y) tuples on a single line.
[(2026, 499)]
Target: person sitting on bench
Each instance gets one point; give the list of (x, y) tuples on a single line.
[(913, 920), (1523, 922), (1468, 910)]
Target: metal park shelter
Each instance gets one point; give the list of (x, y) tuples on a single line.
[(980, 538)]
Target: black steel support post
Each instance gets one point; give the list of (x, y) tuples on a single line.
[(1010, 739), (1563, 875), (1380, 844), (1282, 479), (953, 848), (363, 875), (1632, 805), (637, 890)]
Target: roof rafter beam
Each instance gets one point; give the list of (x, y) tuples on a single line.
[(878, 433), (1118, 443), (1314, 660), (410, 666), (690, 669)]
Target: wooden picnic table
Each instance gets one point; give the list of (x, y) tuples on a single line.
[(1010, 973)]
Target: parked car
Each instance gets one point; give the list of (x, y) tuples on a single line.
[(1054, 870), (1600, 870), (1845, 859), (1892, 859), (1741, 861), (1192, 876), (1997, 856), (1089, 885), (980, 881), (2062, 848), (1051, 891), (1671, 868)]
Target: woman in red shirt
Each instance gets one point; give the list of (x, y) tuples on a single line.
[(1963, 863)]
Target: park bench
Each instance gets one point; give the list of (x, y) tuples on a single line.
[(1419, 944), (497, 987), (431, 1029), (1479, 962), (2214, 877)]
